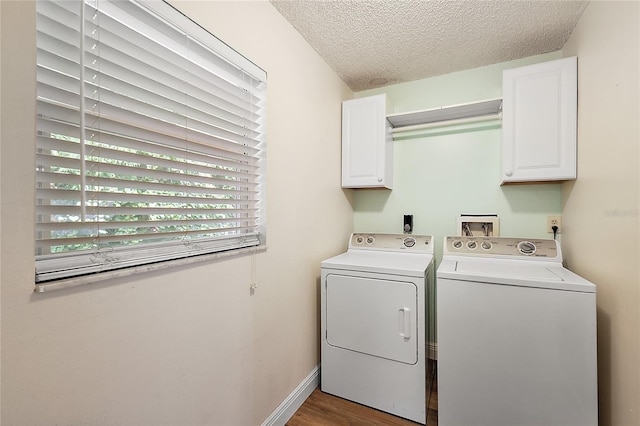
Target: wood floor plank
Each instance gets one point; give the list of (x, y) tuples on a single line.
[(322, 409), (325, 409)]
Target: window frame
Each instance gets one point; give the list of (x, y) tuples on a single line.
[(103, 268)]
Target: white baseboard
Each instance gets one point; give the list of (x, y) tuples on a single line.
[(281, 415)]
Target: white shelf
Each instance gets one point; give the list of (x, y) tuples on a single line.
[(489, 108)]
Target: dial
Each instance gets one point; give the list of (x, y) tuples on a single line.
[(471, 245), (526, 247), (359, 239), (457, 244), (370, 240), (409, 242), (486, 245)]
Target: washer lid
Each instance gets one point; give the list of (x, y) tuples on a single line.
[(403, 264), (548, 275)]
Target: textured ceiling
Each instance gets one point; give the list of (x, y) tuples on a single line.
[(377, 43)]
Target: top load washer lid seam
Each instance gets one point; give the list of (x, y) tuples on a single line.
[(555, 286), (533, 262), (508, 270), (561, 278)]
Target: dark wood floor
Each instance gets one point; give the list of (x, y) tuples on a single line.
[(324, 409)]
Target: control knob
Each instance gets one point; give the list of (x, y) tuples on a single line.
[(526, 247), (409, 242)]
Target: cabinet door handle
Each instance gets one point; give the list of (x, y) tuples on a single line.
[(508, 172)]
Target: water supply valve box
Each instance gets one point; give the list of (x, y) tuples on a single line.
[(479, 226)]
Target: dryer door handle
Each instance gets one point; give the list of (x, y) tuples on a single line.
[(404, 322)]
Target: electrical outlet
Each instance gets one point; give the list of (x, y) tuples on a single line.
[(554, 221)]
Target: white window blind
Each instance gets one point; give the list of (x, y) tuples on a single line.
[(150, 139)]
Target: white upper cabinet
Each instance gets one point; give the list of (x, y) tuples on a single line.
[(367, 144), (539, 120)]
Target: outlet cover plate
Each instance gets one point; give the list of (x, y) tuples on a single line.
[(554, 221)]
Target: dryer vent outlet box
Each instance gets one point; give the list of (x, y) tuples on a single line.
[(479, 226)]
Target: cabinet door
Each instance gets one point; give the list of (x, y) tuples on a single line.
[(539, 122), (367, 145)]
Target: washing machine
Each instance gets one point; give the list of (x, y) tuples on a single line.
[(516, 335), (374, 323)]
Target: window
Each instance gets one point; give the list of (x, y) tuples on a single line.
[(150, 139)]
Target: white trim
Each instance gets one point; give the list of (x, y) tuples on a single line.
[(125, 272), (281, 415), (449, 122), (404, 120)]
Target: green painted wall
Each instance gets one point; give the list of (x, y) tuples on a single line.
[(446, 172)]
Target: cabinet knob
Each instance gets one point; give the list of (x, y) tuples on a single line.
[(379, 179), (508, 172)]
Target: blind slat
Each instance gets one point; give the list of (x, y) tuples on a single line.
[(150, 167), (218, 187), (97, 197), (63, 120), (151, 92), (168, 38), (154, 237), (141, 58), (71, 210), (149, 224), (119, 106)]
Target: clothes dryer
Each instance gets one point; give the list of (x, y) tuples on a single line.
[(516, 335), (374, 323)]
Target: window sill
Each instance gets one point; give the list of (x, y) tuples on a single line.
[(125, 272)]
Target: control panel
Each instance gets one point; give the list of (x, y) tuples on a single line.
[(392, 242), (500, 246)]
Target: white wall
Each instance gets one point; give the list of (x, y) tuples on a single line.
[(601, 209), (187, 345)]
